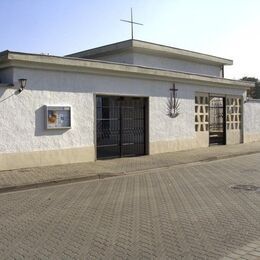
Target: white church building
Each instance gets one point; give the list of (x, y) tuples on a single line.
[(130, 98)]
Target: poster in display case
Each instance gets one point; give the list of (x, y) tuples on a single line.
[(58, 117)]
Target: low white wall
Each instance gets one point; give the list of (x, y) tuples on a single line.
[(252, 121), (23, 134)]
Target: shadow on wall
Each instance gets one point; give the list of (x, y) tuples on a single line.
[(3, 90), (40, 129)]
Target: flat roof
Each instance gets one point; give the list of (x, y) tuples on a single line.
[(78, 65), (151, 48)]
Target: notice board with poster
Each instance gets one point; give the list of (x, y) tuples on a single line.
[(58, 117)]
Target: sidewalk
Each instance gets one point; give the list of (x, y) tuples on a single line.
[(53, 175)]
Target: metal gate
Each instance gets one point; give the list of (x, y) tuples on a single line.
[(217, 120), (120, 126)]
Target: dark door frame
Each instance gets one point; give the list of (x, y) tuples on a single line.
[(146, 123)]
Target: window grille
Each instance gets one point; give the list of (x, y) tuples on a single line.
[(233, 120), (201, 113)]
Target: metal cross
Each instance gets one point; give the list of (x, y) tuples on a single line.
[(174, 90), (173, 95), (132, 24)]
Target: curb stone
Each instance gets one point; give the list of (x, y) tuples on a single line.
[(60, 181)]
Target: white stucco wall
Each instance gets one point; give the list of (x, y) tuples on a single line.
[(163, 128), (22, 116), (252, 121), (22, 129)]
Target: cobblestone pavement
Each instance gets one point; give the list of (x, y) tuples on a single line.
[(106, 168), (182, 212)]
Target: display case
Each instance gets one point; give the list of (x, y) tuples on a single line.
[(57, 117)]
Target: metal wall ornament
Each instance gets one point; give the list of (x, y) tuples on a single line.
[(173, 105)]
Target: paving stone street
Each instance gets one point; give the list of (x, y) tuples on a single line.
[(177, 212)]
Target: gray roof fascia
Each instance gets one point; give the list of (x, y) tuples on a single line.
[(152, 48), (34, 61)]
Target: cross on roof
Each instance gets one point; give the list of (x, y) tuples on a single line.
[(132, 24)]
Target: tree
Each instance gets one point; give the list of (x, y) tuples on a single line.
[(253, 92)]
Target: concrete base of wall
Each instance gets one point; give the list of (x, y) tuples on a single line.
[(234, 137), (201, 140), (252, 137), (9, 161)]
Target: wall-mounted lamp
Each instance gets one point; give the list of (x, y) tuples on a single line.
[(22, 84)]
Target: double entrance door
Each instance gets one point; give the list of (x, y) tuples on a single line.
[(120, 126)]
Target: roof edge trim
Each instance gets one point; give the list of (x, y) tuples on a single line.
[(102, 67)]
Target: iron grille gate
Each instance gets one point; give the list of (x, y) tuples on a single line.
[(217, 121), (120, 126)]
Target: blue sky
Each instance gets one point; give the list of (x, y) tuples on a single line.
[(226, 28)]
